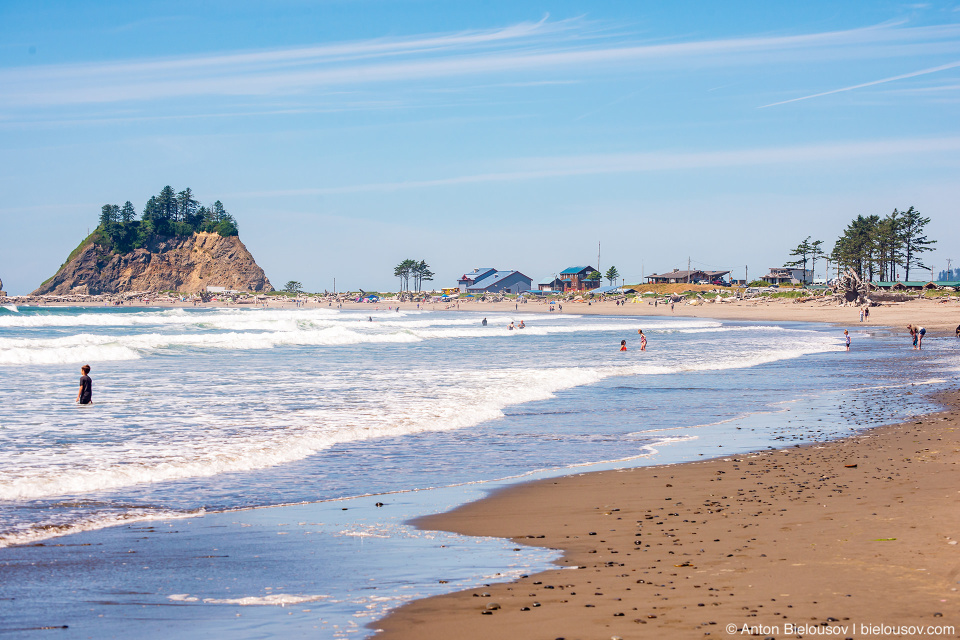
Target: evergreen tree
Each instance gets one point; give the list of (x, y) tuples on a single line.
[(403, 271), (109, 214), (128, 214), (167, 203), (612, 275), (913, 240), (421, 273), (187, 207), (803, 252), (151, 210)]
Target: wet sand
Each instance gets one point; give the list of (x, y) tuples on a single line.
[(860, 531)]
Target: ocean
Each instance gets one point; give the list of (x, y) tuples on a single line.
[(203, 415)]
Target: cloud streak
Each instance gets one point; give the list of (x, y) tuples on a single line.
[(904, 76), (647, 162), (517, 50)]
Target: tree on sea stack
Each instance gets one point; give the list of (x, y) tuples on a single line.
[(293, 287), (612, 275)]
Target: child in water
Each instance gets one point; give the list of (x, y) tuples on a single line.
[(847, 336), (623, 345), (643, 340), (85, 394)]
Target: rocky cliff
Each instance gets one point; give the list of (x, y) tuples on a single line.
[(188, 264)]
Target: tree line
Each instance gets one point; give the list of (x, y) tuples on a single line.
[(409, 269), (167, 214), (875, 247)]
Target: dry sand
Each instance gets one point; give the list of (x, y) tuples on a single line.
[(860, 531), (939, 318)]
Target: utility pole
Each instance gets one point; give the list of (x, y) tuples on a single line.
[(688, 269), (949, 269), (334, 285), (598, 256), (746, 275)]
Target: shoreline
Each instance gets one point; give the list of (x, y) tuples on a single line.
[(941, 319), (857, 531)]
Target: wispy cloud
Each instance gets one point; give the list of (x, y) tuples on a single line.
[(515, 52), (647, 162), (903, 76)]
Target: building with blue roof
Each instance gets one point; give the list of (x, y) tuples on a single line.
[(570, 279), (467, 279), (501, 282)]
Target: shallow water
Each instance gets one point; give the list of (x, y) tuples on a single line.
[(205, 411)]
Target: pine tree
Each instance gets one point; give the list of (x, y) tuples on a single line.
[(187, 207), (128, 214), (612, 275), (915, 243), (167, 203), (109, 214)]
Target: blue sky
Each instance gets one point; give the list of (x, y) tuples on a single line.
[(346, 136)]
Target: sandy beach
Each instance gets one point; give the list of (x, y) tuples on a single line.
[(941, 317), (857, 535)]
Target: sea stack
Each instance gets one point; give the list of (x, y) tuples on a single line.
[(182, 263)]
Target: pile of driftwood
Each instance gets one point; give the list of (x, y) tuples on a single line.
[(850, 288)]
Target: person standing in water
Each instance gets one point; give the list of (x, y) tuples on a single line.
[(913, 334), (85, 394), (643, 340), (846, 334), (920, 333), (623, 345), (484, 323)]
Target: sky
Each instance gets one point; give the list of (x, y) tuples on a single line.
[(348, 135)]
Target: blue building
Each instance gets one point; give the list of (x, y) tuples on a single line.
[(477, 274), (501, 282)]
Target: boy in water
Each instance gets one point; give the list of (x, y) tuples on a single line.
[(85, 394)]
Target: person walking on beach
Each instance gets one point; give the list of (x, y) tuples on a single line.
[(643, 340), (861, 314), (623, 345), (846, 334), (85, 394)]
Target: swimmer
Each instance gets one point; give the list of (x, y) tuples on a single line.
[(643, 340), (623, 345), (522, 326), (510, 327)]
